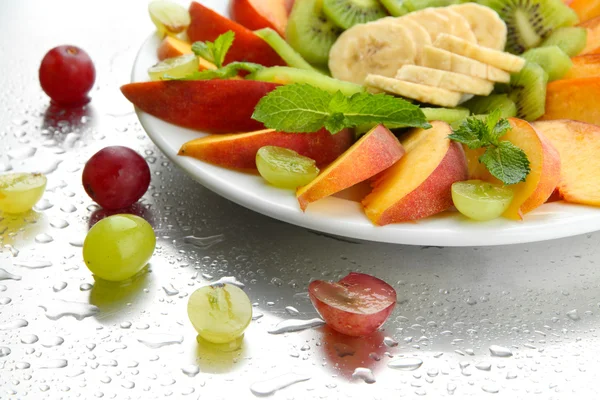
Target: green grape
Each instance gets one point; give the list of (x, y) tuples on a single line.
[(220, 313), (176, 67), (170, 18), (285, 168), (20, 191), (118, 247), (479, 200)]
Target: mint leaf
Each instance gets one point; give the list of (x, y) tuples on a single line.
[(506, 162), (496, 127), (470, 133), (226, 72), (294, 108), (216, 51), (305, 108)]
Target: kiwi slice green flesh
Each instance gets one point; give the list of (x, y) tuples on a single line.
[(528, 91), (555, 62), (397, 8), (285, 51), (289, 75), (571, 40), (487, 104), (347, 13), (529, 22), (310, 33)]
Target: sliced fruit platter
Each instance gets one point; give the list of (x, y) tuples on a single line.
[(421, 122)]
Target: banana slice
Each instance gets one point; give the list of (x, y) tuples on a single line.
[(419, 34), (459, 26), (489, 29), (422, 93), (496, 58), (445, 80), (371, 48), (433, 22), (443, 59)]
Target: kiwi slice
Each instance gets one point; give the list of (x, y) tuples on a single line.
[(555, 62), (529, 22), (571, 40), (347, 13), (289, 75), (397, 8), (449, 115), (528, 90), (285, 51), (310, 33), (486, 104)]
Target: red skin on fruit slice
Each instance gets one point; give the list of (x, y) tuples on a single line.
[(357, 305)]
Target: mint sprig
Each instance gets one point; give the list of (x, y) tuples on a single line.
[(303, 108), (216, 51), (502, 159)]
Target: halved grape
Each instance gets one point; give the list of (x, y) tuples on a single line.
[(170, 18), (220, 313), (285, 168), (479, 200), (176, 67), (20, 191), (118, 247)]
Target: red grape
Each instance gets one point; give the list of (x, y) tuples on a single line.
[(116, 177), (67, 74), (357, 305)]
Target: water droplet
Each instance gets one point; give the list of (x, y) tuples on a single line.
[(4, 351), (43, 238), (191, 370), (44, 388), (157, 340), (59, 286), (33, 264), (343, 350), (43, 204), (29, 339), (52, 341), (14, 324), (499, 351), (59, 223), (84, 287), (77, 242), (204, 242), (574, 315), (13, 251), (170, 290), (292, 311), (5, 167), (21, 153), (365, 374), (511, 375), (293, 325), (58, 363), (68, 208), (484, 366), (48, 167), (490, 388), (451, 388), (406, 364), (390, 342), (374, 356), (433, 372), (22, 365), (232, 280), (5, 275), (5, 300), (270, 386), (56, 309), (125, 325), (128, 384)]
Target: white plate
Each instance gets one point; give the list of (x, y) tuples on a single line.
[(342, 217)]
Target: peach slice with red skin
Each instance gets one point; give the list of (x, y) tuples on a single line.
[(420, 184), (374, 152), (258, 14), (172, 47), (579, 145), (357, 305), (213, 106), (238, 150), (573, 99)]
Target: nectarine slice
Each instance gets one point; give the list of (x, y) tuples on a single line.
[(544, 164), (579, 146), (593, 36), (419, 185), (585, 9), (586, 66), (238, 151), (172, 47), (258, 14), (573, 99), (375, 151)]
